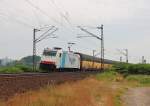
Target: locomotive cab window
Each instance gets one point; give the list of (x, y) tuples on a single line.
[(49, 53), (60, 55)]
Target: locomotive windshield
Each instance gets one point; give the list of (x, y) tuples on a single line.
[(49, 53)]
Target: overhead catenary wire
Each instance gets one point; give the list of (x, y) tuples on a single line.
[(43, 12), (71, 28), (64, 16), (92, 43), (12, 19), (46, 35), (37, 17), (60, 12), (84, 46), (19, 12), (40, 37), (25, 23)]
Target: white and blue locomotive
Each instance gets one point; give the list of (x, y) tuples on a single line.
[(57, 59)]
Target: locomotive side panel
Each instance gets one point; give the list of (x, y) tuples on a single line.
[(70, 60)]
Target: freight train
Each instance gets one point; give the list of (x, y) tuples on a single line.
[(58, 60)]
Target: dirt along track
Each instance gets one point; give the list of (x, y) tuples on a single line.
[(137, 97), (11, 84)]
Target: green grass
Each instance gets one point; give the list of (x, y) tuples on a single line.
[(127, 69), (117, 99), (107, 75), (105, 85), (15, 69), (111, 76), (143, 80), (10, 70)]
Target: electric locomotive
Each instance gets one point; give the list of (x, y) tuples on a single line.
[(56, 59)]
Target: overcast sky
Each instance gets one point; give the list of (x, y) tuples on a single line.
[(126, 25)]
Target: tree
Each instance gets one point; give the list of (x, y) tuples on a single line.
[(28, 60)]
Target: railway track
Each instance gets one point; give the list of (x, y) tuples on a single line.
[(11, 84)]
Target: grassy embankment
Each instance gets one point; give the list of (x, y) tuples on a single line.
[(103, 89), (20, 66), (88, 92), (139, 73), (15, 69)]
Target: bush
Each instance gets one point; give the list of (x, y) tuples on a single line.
[(24, 68), (142, 79), (15, 69), (126, 69), (107, 75), (139, 69), (10, 70)]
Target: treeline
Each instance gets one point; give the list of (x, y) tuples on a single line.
[(19, 66), (28, 60), (126, 69)]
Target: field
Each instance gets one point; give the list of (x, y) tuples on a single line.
[(71, 89), (11, 84), (15, 69), (103, 89)]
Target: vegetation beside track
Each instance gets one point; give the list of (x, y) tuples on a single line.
[(15, 69), (20, 66), (87, 92), (132, 69), (101, 89)]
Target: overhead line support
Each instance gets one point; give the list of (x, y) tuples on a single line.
[(102, 47), (125, 52), (36, 40), (101, 38)]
